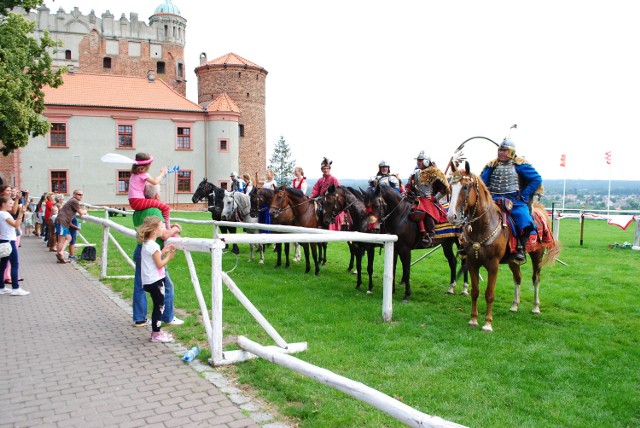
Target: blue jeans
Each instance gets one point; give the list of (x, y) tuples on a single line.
[(140, 296), (13, 258)]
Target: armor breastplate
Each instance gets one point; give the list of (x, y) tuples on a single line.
[(388, 180), (423, 189), (504, 179)]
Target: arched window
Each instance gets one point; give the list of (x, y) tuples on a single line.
[(67, 54)]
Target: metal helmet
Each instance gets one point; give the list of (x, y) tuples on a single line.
[(383, 163), (422, 157), (508, 145)]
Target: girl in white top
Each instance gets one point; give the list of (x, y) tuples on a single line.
[(152, 263), (300, 182), (270, 182), (8, 228)]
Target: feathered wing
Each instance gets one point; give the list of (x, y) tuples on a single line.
[(116, 158)]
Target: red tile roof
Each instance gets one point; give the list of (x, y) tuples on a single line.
[(104, 90), (223, 103), (232, 59)]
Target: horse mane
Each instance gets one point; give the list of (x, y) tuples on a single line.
[(391, 194), (483, 191), (357, 193), (296, 193)]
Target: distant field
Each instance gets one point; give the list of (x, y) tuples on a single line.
[(575, 364)]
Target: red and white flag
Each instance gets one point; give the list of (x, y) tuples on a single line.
[(607, 157), (563, 160)]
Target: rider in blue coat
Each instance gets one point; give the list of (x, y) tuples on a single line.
[(513, 178)]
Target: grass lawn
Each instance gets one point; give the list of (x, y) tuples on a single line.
[(575, 364)]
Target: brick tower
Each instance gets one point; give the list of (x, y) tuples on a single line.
[(244, 82)]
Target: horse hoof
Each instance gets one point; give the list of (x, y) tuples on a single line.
[(369, 292), (514, 308), (473, 323), (261, 262), (465, 293), (487, 328), (451, 291), (535, 311)]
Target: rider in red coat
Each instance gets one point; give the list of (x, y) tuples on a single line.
[(321, 187)]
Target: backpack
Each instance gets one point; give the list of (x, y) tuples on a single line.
[(88, 254)]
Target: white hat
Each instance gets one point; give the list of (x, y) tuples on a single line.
[(233, 174)]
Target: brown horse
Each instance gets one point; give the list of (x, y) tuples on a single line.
[(486, 237), (337, 200), (292, 202), (260, 204)]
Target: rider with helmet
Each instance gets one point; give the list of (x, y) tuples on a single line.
[(513, 178), (385, 178), (428, 184)]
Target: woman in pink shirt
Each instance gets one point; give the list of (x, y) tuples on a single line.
[(139, 179)]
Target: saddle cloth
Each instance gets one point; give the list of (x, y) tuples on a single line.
[(543, 236)]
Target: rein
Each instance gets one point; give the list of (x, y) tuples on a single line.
[(290, 206), (467, 228)]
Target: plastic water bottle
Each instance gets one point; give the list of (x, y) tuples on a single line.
[(191, 354)]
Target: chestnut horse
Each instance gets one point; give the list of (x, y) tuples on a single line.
[(261, 201), (389, 213), (486, 241), (292, 202), (214, 196), (337, 200)]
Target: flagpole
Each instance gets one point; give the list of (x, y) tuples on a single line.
[(609, 196), (563, 164)]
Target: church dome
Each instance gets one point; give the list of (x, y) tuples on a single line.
[(167, 7)]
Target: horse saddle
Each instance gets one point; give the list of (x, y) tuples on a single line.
[(417, 215)]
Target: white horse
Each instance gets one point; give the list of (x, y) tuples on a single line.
[(237, 207)]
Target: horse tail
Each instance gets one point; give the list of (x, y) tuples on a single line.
[(548, 241)]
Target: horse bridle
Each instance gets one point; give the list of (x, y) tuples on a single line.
[(335, 214), (466, 223), (289, 206)]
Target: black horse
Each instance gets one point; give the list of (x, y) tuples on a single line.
[(342, 199), (389, 213), (215, 199)]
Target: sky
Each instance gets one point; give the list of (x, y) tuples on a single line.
[(361, 81)]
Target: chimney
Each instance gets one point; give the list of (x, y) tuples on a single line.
[(151, 76), (203, 58)]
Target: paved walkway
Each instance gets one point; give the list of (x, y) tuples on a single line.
[(70, 357)]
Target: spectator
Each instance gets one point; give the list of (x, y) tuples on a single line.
[(8, 227), (137, 182), (73, 231), (38, 221), (28, 221), (249, 184), (152, 269), (270, 182), (65, 216), (237, 185), (139, 296)]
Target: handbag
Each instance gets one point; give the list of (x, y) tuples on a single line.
[(5, 250)]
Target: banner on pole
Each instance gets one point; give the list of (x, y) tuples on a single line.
[(607, 157), (563, 160)]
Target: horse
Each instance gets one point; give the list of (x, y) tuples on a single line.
[(260, 202), (337, 200), (237, 207), (486, 237), (389, 213), (214, 196), (301, 209)]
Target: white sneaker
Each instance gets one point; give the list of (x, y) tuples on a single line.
[(5, 290), (176, 321), (19, 292)]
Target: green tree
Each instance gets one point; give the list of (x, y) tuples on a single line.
[(25, 68), (281, 163)]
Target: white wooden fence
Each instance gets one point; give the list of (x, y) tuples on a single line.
[(275, 354)]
